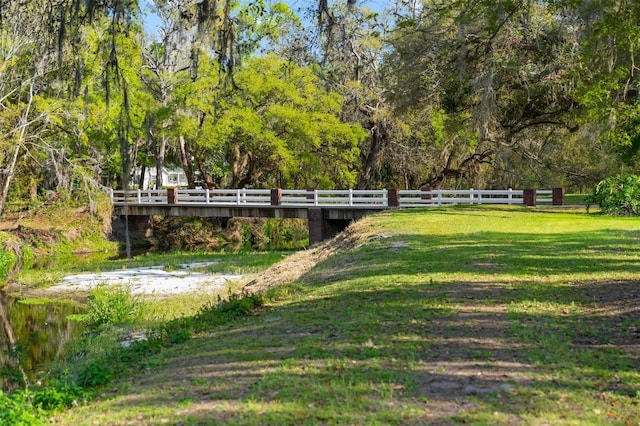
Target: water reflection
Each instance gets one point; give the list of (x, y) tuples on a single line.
[(40, 332)]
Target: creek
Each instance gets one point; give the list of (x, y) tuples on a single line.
[(41, 330)]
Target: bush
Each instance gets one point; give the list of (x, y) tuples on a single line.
[(227, 310), (8, 258), (617, 195), (16, 410), (112, 306), (57, 395)]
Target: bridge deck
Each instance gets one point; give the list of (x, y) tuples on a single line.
[(263, 211), (327, 211), (349, 199)]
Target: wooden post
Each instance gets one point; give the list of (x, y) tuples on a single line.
[(172, 195), (529, 197), (311, 196), (426, 193), (557, 197), (276, 197), (393, 197)]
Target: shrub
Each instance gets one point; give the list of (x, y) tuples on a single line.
[(57, 395), (15, 409), (112, 306), (618, 194), (97, 371), (8, 259), (227, 310)]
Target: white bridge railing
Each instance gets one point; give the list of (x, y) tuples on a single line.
[(331, 198)]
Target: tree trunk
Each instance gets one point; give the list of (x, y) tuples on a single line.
[(160, 153), (143, 172), (8, 177), (187, 163), (379, 138), (125, 153)]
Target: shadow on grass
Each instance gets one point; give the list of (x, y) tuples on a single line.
[(487, 341), (489, 253), (408, 355)]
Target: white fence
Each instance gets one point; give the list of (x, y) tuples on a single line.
[(323, 198)]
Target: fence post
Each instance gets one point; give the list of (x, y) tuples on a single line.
[(510, 196), (426, 195), (470, 195), (172, 195), (393, 197), (529, 197), (557, 197), (276, 196), (311, 196)]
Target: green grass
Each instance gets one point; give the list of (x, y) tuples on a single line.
[(456, 315), (222, 262), (575, 199)]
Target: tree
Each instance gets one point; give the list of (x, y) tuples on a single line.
[(611, 77), (27, 68), (350, 45), (275, 126), (491, 79), (167, 64)]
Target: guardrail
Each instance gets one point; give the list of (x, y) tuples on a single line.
[(348, 198)]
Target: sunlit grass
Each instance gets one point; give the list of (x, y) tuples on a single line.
[(448, 316)]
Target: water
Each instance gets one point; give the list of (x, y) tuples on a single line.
[(41, 331)]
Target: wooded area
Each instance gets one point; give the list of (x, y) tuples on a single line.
[(259, 94)]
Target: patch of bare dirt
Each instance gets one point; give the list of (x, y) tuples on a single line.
[(35, 237)]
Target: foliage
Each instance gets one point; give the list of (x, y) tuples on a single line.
[(96, 365), (235, 306), (248, 94), (57, 395), (9, 255), (483, 88), (7, 263), (27, 407), (17, 410), (277, 126), (618, 194), (108, 306)]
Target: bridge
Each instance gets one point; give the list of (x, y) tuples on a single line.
[(327, 211)]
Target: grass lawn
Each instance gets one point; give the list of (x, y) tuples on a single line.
[(470, 315)]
